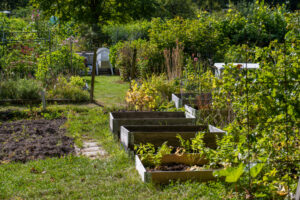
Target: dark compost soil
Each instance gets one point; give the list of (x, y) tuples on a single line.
[(171, 167), (36, 139)]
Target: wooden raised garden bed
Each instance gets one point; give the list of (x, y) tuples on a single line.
[(118, 119), (201, 100), (157, 135), (215, 117), (184, 98), (164, 177)]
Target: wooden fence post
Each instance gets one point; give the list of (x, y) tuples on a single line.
[(298, 191), (93, 76), (44, 99)]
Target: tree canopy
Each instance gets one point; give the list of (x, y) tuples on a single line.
[(95, 11), (12, 4)]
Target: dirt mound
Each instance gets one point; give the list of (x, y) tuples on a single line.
[(33, 139)]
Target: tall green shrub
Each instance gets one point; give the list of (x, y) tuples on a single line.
[(124, 32), (59, 62), (147, 59)]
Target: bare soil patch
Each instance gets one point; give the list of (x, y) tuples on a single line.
[(26, 140)]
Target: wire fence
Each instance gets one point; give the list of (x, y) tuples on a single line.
[(36, 58), (20, 52)]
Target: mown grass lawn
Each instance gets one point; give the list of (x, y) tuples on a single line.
[(113, 177), (109, 91)]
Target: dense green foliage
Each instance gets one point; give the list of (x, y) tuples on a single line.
[(266, 105), (172, 48), (262, 141), (69, 89), (20, 89), (61, 61), (25, 56), (151, 93), (127, 32), (13, 4), (138, 58), (210, 37)]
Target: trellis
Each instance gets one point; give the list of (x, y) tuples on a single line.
[(43, 40), (8, 38)]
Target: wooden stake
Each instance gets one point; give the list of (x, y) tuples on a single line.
[(93, 76), (298, 191), (43, 99)]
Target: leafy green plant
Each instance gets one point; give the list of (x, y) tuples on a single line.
[(50, 66), (8, 89), (124, 32), (126, 60), (196, 145), (169, 107), (194, 148), (28, 89), (264, 98), (20, 89), (149, 156), (71, 90), (232, 174), (77, 81), (50, 115), (137, 59), (153, 92)]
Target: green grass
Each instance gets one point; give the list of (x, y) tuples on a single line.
[(110, 91), (113, 177), (49, 106)]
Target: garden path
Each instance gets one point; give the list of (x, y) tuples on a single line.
[(91, 149)]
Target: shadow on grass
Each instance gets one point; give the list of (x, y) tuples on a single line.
[(90, 80)]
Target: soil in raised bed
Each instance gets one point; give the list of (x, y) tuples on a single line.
[(26, 140), (171, 167), (178, 167)]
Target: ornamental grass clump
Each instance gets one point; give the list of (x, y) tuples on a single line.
[(28, 89)]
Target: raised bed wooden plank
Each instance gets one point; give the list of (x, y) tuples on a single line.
[(216, 117), (157, 135), (184, 98), (201, 100), (190, 111), (164, 177), (118, 119)]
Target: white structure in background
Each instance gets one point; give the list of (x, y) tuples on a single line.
[(88, 60), (8, 13), (103, 60), (219, 67)]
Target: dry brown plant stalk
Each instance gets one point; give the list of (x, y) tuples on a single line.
[(174, 61)]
